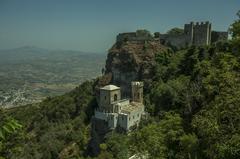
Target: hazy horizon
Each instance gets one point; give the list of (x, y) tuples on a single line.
[(49, 49), (91, 26)]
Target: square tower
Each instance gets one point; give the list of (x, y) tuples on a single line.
[(202, 34), (108, 95), (188, 30), (137, 92)]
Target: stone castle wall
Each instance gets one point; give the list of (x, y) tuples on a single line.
[(198, 34), (194, 34), (180, 41), (135, 36), (218, 36)]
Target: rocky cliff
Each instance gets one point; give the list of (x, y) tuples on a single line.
[(129, 61), (126, 61)]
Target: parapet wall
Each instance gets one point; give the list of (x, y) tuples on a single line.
[(134, 36), (218, 36), (179, 41)]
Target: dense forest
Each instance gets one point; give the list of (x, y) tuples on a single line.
[(193, 105)]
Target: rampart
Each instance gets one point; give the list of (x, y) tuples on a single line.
[(198, 34)]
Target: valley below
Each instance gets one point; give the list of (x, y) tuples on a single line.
[(30, 74)]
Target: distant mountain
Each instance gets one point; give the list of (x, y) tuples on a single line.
[(30, 48), (32, 52)]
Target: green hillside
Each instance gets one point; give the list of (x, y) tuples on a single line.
[(53, 125)]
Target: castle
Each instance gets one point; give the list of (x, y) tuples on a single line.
[(123, 114), (198, 34)]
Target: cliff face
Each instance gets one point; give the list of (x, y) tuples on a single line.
[(130, 61), (126, 62)]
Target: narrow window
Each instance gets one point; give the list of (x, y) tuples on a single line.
[(115, 97)]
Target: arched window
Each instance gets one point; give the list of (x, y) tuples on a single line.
[(115, 97)]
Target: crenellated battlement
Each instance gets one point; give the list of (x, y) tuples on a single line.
[(198, 34)]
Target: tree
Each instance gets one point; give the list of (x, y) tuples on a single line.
[(104, 154), (235, 32), (189, 146), (170, 95), (235, 27), (10, 137), (117, 145), (159, 140), (189, 61), (156, 35), (219, 118)]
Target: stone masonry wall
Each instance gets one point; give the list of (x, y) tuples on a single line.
[(202, 34)]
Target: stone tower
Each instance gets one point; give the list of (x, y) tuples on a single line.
[(188, 30), (137, 92), (202, 34), (108, 95)]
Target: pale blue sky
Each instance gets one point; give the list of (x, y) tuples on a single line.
[(92, 25)]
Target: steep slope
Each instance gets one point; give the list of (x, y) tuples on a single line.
[(58, 127), (130, 61)]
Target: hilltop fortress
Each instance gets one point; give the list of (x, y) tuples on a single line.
[(198, 34)]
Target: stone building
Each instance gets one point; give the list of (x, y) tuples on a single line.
[(123, 114), (138, 36), (198, 34)]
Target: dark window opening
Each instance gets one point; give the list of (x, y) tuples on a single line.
[(115, 97)]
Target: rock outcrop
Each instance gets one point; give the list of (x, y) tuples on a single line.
[(130, 61), (127, 61)]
